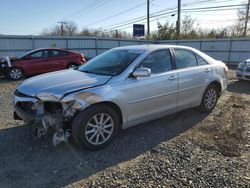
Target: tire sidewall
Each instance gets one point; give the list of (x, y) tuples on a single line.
[(14, 68), (203, 105), (81, 120)]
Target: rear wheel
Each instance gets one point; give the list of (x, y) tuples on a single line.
[(209, 98), (15, 73), (95, 127), (73, 66)]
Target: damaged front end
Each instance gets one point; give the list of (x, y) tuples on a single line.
[(46, 111), (5, 63)]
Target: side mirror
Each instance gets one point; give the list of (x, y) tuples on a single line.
[(142, 72)]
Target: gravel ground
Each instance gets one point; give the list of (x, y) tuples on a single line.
[(188, 149)]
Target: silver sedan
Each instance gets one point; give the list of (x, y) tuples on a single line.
[(243, 70), (120, 88)]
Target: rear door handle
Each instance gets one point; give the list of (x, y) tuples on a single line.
[(207, 70), (172, 77)]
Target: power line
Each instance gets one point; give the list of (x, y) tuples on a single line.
[(117, 14), (210, 8), (171, 12), (196, 2), (218, 21), (134, 20), (213, 10), (213, 13), (93, 3), (157, 14), (205, 2), (215, 7), (91, 10)]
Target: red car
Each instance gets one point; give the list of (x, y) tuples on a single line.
[(40, 61)]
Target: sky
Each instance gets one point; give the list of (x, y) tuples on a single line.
[(31, 17)]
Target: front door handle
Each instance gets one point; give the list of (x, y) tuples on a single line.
[(172, 77), (207, 70)]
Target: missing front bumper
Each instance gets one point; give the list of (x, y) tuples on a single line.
[(42, 122)]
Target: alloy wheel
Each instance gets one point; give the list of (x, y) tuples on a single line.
[(99, 128), (210, 98), (15, 74)]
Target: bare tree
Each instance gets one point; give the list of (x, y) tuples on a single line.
[(105, 34), (187, 27), (69, 29), (237, 29), (85, 32)]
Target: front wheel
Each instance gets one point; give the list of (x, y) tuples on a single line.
[(95, 127), (73, 66), (15, 73), (209, 99)]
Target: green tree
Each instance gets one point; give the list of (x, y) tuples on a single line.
[(164, 32)]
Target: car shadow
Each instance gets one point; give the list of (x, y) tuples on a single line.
[(27, 161), (4, 80), (239, 86)]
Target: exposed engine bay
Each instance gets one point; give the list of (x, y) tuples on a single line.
[(48, 112), (5, 62)]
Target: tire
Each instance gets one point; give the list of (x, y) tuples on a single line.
[(73, 66), (88, 130), (15, 73), (209, 98)]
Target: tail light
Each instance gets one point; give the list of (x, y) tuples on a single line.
[(82, 58), (225, 68)]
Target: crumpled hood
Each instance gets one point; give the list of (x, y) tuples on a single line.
[(61, 82)]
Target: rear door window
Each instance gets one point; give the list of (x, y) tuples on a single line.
[(57, 53), (200, 60), (184, 58)]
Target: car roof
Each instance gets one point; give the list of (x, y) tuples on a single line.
[(154, 46), (37, 49), (151, 47)]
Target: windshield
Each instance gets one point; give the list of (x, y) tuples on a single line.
[(23, 55), (112, 62)]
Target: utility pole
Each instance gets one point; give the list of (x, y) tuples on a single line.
[(178, 23), (246, 19), (148, 21), (116, 33), (62, 28)]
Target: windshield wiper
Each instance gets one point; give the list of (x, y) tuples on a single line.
[(87, 71)]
